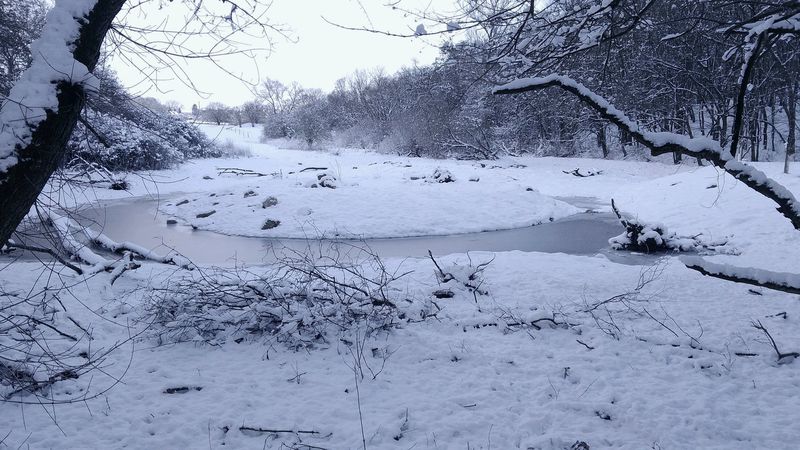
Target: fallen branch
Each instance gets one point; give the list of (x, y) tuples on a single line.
[(34, 385), (781, 356), (648, 238), (577, 173), (276, 430), (65, 230), (240, 172), (535, 324), (47, 251), (313, 168), (127, 264), (779, 281)]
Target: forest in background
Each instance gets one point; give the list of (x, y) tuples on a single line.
[(676, 70)]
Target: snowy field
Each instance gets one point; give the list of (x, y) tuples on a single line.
[(547, 354)]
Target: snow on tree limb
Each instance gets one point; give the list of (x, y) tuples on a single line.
[(36, 92), (661, 143), (53, 91), (779, 281), (67, 231), (778, 22)]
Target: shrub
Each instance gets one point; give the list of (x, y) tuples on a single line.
[(150, 141)]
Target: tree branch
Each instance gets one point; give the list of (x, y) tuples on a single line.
[(779, 281), (661, 143), (48, 251)]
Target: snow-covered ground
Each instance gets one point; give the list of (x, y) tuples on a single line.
[(375, 195), (662, 368)]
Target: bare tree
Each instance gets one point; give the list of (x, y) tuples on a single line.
[(277, 97), (253, 112), (216, 112)]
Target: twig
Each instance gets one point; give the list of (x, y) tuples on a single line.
[(48, 251), (444, 277), (790, 355), (240, 172), (277, 430)]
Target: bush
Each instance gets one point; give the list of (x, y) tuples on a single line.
[(151, 141), (229, 149), (119, 133), (302, 301)]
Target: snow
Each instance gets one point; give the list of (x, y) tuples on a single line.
[(384, 196), (672, 376), (36, 91), (539, 390)]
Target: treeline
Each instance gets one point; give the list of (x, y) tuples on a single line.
[(673, 66), (116, 131)]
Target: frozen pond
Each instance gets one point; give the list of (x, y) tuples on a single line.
[(139, 221)]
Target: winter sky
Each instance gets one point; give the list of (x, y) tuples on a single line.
[(316, 54)]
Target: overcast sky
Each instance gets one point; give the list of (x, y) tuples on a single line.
[(321, 54)]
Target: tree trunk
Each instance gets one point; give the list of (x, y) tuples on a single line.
[(723, 127), (690, 133), (601, 139), (772, 106), (791, 117), (765, 133), (22, 183), (754, 138)]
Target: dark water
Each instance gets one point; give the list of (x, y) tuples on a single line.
[(139, 221)]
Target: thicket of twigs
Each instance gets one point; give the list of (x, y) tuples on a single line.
[(305, 299)]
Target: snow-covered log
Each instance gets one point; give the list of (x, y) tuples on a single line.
[(661, 143), (65, 229), (38, 116), (779, 281)]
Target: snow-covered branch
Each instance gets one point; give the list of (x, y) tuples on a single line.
[(664, 142), (67, 230), (779, 281)]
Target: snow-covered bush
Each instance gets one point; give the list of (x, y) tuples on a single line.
[(653, 238), (358, 136), (441, 176), (650, 238), (137, 140), (307, 121), (121, 144), (230, 149), (120, 134), (327, 180)]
